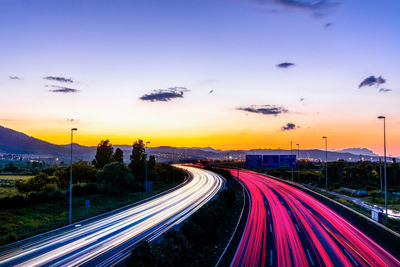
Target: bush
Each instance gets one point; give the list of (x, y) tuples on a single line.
[(116, 178)]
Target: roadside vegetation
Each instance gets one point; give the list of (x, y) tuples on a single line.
[(201, 239), (30, 205)]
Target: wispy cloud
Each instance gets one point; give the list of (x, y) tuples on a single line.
[(285, 65), (59, 79), (372, 80), (14, 77), (316, 7), (289, 126), (61, 89), (165, 95), (385, 90), (264, 109)]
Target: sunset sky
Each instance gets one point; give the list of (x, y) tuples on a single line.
[(203, 72)]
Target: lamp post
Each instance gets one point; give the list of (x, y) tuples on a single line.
[(380, 174), (70, 178), (146, 148), (326, 161), (291, 153), (298, 165), (384, 161)]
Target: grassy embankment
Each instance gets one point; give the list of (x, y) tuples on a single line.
[(23, 222)]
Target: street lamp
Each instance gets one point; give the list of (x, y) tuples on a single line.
[(291, 153), (384, 160), (326, 161), (146, 147), (298, 165), (70, 178)]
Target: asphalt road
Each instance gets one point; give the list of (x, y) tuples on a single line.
[(287, 227), (109, 239)]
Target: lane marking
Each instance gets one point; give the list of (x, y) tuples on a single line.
[(269, 213), (298, 230), (289, 212), (270, 259), (351, 257), (309, 256), (270, 228)]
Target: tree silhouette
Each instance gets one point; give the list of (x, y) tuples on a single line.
[(104, 154), (138, 160), (118, 155)]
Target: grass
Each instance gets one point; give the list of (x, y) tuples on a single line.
[(17, 224), (16, 177)]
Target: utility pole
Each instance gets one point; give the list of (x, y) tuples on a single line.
[(291, 154), (298, 165), (384, 162), (145, 158), (380, 174), (326, 162), (70, 179)]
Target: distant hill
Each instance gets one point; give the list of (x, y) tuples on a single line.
[(19, 143), (360, 151), (14, 142)]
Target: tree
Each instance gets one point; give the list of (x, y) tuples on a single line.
[(82, 172), (104, 154), (116, 177), (36, 184), (118, 155), (138, 160), (152, 162)]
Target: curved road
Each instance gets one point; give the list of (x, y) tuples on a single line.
[(287, 227), (109, 239)]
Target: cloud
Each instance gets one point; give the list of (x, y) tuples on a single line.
[(165, 95), (265, 109), (372, 80), (14, 78), (285, 65), (317, 7), (59, 79), (385, 90), (289, 126), (61, 89)]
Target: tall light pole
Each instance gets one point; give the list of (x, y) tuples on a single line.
[(70, 178), (291, 153), (326, 161), (146, 148), (380, 174), (384, 161), (298, 165)]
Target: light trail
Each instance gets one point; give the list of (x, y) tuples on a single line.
[(287, 227), (109, 239)]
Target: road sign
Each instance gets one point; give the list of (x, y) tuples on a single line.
[(253, 161), (287, 161), (270, 161)]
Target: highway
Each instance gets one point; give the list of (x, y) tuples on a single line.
[(107, 240), (287, 227)]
